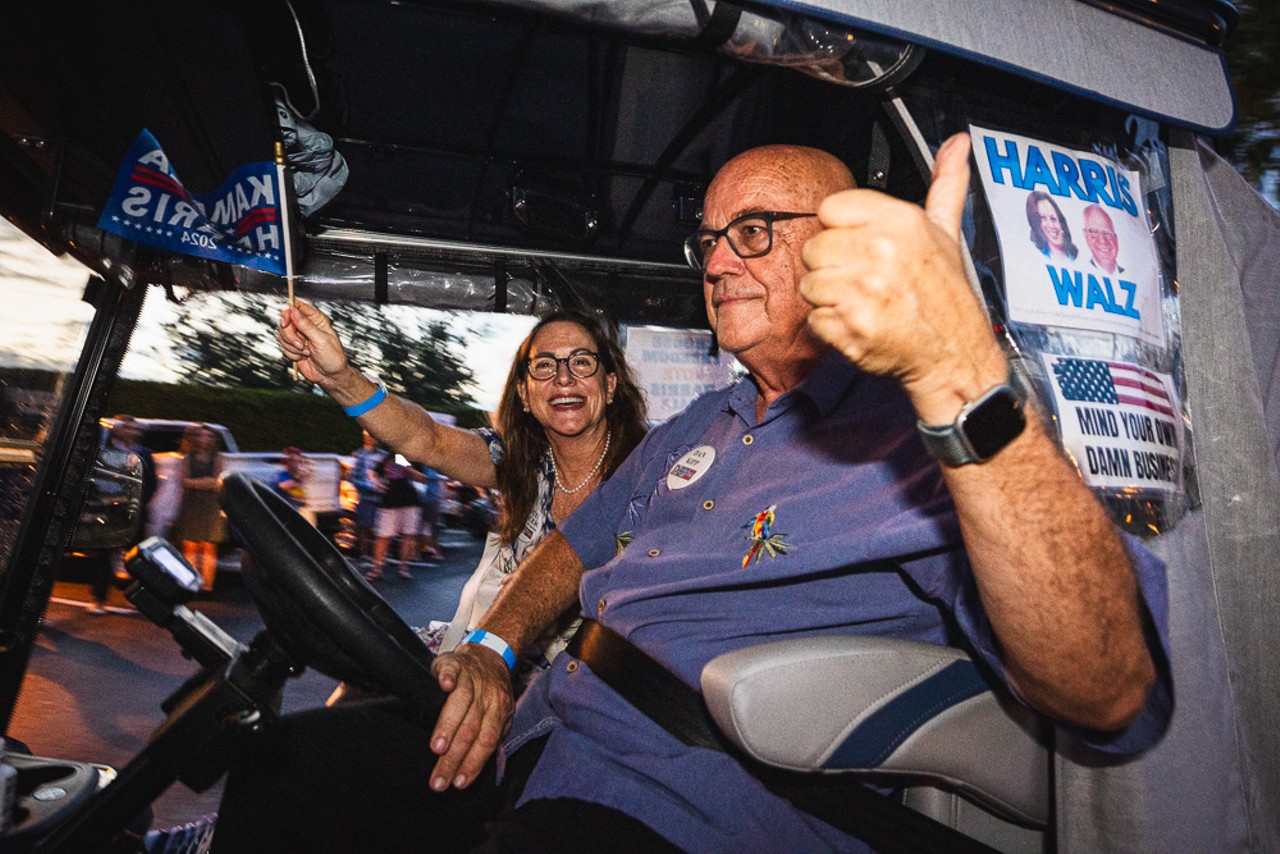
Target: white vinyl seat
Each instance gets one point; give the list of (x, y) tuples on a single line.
[(895, 712)]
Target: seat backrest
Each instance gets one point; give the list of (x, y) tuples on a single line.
[(897, 712)]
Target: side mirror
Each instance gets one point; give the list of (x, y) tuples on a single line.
[(112, 512)]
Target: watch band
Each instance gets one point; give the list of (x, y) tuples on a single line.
[(946, 444), (996, 418)]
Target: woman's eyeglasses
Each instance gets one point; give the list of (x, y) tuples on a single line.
[(581, 363)]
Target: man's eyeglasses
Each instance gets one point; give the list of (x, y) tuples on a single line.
[(749, 236), (581, 363), (1100, 234)]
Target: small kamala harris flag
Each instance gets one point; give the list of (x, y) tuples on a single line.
[(240, 222)]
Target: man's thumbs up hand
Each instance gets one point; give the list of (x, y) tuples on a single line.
[(889, 289)]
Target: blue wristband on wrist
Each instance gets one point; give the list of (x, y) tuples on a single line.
[(379, 395), (493, 642)]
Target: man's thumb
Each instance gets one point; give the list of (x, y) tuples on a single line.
[(945, 202)]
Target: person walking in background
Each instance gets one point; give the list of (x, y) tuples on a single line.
[(126, 436), (363, 460), (429, 539), (291, 481), (400, 514), (200, 525)]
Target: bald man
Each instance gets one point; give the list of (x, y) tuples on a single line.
[(803, 501), (1100, 236)]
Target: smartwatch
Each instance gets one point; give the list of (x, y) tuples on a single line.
[(982, 428)]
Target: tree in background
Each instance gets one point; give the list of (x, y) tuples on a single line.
[(1253, 57), (229, 339), (418, 359)]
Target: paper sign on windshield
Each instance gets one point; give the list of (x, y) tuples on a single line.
[(1119, 422), (674, 366), (1074, 237)]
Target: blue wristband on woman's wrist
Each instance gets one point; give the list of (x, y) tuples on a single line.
[(379, 395), (493, 642)]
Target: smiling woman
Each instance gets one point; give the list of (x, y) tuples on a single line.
[(570, 413)]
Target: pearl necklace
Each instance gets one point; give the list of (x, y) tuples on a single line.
[(555, 471)]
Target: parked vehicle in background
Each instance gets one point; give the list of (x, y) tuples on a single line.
[(163, 437), (322, 505)]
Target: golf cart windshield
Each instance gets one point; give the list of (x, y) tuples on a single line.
[(512, 158)]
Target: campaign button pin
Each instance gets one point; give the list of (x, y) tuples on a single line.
[(690, 467)]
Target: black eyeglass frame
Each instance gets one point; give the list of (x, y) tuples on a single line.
[(567, 361), (695, 258)]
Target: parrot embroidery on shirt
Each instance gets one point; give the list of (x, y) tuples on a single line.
[(623, 540), (763, 540)]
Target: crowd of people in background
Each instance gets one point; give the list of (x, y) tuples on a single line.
[(190, 514), (399, 502), (397, 515)]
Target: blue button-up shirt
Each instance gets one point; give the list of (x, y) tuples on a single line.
[(826, 517)]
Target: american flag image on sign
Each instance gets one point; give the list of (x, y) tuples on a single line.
[(1096, 381)]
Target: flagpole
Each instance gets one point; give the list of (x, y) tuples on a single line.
[(281, 176)]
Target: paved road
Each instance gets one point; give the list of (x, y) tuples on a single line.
[(95, 684)]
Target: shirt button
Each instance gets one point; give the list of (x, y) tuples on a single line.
[(600, 606), (708, 504), (654, 552), (747, 439), (571, 666)]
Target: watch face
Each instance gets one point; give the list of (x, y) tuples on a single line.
[(993, 422)]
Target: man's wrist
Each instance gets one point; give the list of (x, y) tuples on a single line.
[(493, 642), (983, 428), (939, 396)]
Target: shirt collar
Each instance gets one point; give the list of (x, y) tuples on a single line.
[(826, 385), (829, 381)]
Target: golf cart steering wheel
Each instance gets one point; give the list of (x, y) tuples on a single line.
[(319, 609)]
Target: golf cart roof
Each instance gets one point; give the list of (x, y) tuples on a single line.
[(547, 146)]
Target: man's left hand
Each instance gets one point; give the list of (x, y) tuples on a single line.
[(475, 716)]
